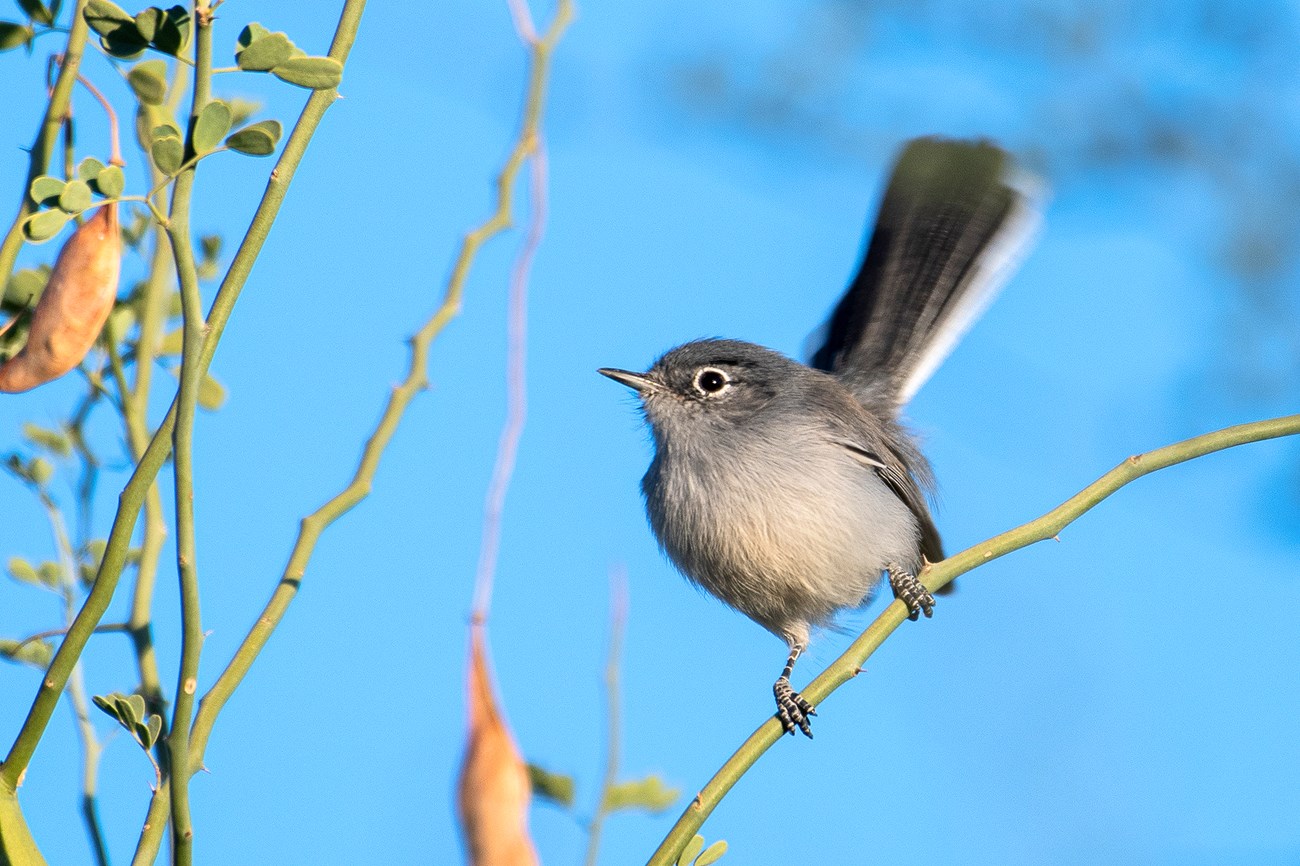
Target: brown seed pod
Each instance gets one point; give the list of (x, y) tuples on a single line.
[(494, 790), (74, 306)]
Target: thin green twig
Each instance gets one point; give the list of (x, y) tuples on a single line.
[(416, 379), (613, 710), (941, 574), (191, 373)]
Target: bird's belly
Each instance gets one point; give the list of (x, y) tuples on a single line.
[(768, 541)]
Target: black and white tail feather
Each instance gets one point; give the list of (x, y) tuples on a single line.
[(954, 221)]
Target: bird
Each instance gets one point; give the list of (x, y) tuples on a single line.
[(792, 491)]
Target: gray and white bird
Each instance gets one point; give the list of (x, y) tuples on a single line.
[(789, 491)]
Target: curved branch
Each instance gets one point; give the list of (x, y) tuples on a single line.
[(941, 574)]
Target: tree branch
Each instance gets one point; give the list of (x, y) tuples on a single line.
[(941, 574)]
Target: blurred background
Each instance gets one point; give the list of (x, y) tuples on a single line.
[(1128, 695)]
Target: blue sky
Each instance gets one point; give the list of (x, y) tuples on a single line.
[(1128, 695)]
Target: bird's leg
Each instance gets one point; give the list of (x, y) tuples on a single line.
[(910, 591), (791, 708)]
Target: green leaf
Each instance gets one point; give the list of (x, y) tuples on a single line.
[(105, 17), (146, 733), (121, 320), (258, 139), (712, 854), (265, 54), (49, 572), (117, 31), (45, 225), (75, 197), (149, 80), (37, 653), (14, 35), (165, 129), (212, 394), (54, 441), (649, 794), (168, 153), (171, 343), (148, 21), (105, 703), (211, 126), (556, 787), (174, 32), (317, 73), (210, 246), (25, 287), (36, 11), (134, 707), (691, 851), (45, 189), (89, 169), (249, 35), (40, 470), (125, 44), (21, 570), (111, 182), (241, 110)]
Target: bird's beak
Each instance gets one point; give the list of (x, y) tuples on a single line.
[(639, 382)]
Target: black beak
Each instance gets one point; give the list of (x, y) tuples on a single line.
[(639, 382)]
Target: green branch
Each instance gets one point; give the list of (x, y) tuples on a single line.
[(187, 400), (941, 574), (416, 379)]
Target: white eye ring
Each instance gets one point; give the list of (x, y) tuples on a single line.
[(710, 381)]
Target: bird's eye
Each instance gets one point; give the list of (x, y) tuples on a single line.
[(711, 380)]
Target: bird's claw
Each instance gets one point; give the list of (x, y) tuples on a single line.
[(910, 591), (792, 709)]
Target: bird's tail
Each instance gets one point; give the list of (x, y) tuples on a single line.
[(952, 223)]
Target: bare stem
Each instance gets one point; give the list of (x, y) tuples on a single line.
[(613, 711), (416, 379), (194, 336)]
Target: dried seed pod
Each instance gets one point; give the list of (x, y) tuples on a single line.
[(74, 306), (494, 790)]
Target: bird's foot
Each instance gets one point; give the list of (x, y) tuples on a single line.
[(910, 591), (792, 709)]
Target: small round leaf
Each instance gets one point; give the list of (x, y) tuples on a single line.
[(13, 35), (37, 12), (251, 34), (264, 54), (212, 394), (21, 570), (317, 73), (148, 22), (125, 44), (89, 169), (45, 189), (174, 32), (168, 153), (712, 854), (111, 182), (106, 18), (45, 225), (211, 126), (149, 81), (691, 851), (75, 197), (259, 139)]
